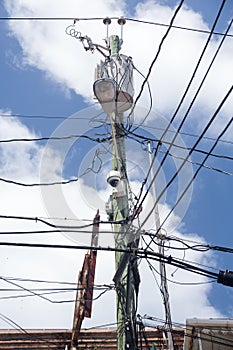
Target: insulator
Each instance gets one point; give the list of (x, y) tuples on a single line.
[(121, 21), (107, 21)]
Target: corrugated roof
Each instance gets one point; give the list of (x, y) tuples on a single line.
[(208, 334), (99, 338)]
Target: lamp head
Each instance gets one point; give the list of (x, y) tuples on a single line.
[(105, 90)]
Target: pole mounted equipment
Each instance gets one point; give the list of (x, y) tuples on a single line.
[(121, 21), (107, 21), (113, 88)]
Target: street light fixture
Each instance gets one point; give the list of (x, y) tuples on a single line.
[(111, 97), (105, 90)]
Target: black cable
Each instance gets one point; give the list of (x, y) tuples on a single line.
[(157, 54), (140, 253), (200, 247), (42, 295), (66, 182), (61, 227), (183, 133), (37, 280), (196, 173), (30, 337), (151, 102), (37, 219), (49, 231), (134, 136), (106, 139), (176, 27), (112, 18), (186, 91), (202, 165), (35, 184), (5, 115), (179, 263), (26, 289), (218, 339), (189, 153), (57, 138), (177, 282)]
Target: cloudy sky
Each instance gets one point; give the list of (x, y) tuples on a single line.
[(47, 79)]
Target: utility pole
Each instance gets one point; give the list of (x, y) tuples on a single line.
[(114, 90), (126, 314), (162, 268)]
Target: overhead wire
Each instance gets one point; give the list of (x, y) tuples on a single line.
[(190, 106), (59, 227), (150, 106), (176, 27), (138, 137), (197, 246), (38, 184), (103, 122), (189, 153), (42, 295), (76, 179), (200, 164), (197, 171), (152, 267), (141, 253), (130, 135), (30, 337), (76, 19), (157, 55), (216, 339), (56, 138)]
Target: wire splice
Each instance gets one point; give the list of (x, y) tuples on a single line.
[(226, 278)]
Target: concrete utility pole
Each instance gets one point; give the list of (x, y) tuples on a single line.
[(114, 90), (162, 268), (126, 313)]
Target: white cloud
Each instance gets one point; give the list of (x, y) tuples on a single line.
[(64, 265), (62, 58), (46, 47)]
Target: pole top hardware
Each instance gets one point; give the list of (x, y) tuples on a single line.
[(121, 21), (107, 20)]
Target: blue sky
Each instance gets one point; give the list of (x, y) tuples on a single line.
[(32, 85)]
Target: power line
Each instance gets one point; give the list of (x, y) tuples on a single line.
[(49, 231), (102, 140), (176, 27), (198, 246), (30, 116), (197, 171), (66, 182), (141, 253), (37, 184), (190, 152), (181, 101), (20, 279), (61, 227), (57, 138), (201, 164), (215, 339), (157, 55), (152, 268), (145, 139), (76, 19), (40, 116)]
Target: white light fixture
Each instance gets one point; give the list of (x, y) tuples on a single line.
[(105, 90), (110, 97)]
